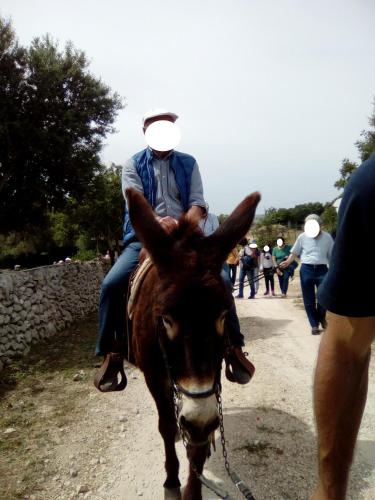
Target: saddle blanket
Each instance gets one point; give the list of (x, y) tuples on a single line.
[(136, 281)]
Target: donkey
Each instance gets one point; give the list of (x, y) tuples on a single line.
[(178, 329)]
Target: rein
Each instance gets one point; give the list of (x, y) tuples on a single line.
[(258, 277), (216, 389)]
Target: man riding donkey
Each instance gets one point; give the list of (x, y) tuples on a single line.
[(171, 182)]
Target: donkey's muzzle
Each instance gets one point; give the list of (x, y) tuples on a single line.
[(199, 418)]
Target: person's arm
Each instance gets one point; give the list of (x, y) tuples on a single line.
[(197, 204), (195, 213), (288, 261), (130, 178), (295, 252), (274, 261), (340, 390)]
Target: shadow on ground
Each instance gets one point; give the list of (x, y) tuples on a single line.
[(257, 327), (273, 452)]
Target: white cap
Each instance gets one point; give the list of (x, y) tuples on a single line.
[(154, 112)]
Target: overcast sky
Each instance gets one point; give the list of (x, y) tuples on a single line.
[(271, 94)]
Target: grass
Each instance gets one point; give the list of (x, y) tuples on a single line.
[(37, 398)]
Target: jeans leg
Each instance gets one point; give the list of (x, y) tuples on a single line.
[(232, 323), (241, 282), (234, 273), (250, 277), (112, 299), (308, 294), (285, 281), (255, 277)]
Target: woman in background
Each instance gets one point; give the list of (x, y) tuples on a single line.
[(233, 261), (279, 254), (266, 264)]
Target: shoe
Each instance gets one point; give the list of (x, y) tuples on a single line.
[(324, 323), (238, 368), (283, 295), (315, 330), (107, 377), (251, 297), (266, 293), (273, 294), (239, 296)]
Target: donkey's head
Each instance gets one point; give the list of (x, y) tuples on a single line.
[(191, 301)]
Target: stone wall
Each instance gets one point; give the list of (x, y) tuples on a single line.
[(37, 303)]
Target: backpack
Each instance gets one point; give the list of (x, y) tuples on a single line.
[(248, 262)]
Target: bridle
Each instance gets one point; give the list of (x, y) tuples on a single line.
[(216, 387)]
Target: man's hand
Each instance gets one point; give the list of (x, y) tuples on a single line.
[(284, 264), (168, 223)]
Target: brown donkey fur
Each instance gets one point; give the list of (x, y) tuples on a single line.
[(181, 311)]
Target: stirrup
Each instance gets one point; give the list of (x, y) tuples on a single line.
[(238, 368), (106, 378)]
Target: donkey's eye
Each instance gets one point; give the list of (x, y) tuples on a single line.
[(167, 320), (220, 323), (170, 327)]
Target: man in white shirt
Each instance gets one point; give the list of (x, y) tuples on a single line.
[(315, 253)]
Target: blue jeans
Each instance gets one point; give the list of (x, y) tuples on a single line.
[(311, 278), (113, 300), (232, 323), (284, 281), (233, 272), (250, 274)]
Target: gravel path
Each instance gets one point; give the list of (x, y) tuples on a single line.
[(114, 451)]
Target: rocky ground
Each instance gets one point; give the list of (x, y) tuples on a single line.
[(61, 439)]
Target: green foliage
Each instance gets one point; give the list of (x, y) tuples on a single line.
[(365, 146), (222, 218), (268, 234), (85, 254), (95, 222), (54, 116), (346, 170), (329, 218), (291, 217), (63, 231)]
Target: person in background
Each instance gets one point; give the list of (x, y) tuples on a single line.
[(233, 261), (279, 254), (248, 264), (256, 253), (341, 376), (266, 265), (314, 250)]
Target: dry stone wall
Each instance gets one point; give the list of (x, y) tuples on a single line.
[(37, 303)]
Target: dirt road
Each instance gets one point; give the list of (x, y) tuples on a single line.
[(108, 446)]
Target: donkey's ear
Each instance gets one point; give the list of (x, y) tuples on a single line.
[(233, 229), (147, 228)]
